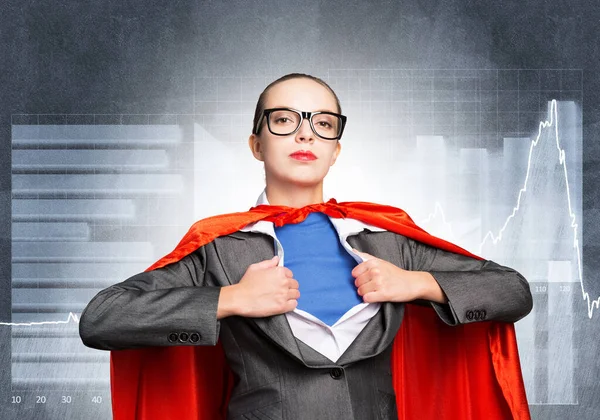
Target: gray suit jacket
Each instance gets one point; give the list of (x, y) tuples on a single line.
[(278, 376)]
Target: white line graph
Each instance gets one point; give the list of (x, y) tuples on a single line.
[(552, 122), (438, 209), (70, 318)]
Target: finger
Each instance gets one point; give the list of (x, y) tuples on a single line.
[(293, 284), (366, 288), (373, 276), (362, 279), (290, 305), (372, 297), (293, 294), (283, 271), (363, 267)]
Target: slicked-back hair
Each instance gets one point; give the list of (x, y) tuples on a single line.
[(260, 104)]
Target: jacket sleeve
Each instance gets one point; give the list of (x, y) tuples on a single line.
[(162, 307), (477, 290)]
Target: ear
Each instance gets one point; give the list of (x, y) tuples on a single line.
[(336, 153), (255, 147)]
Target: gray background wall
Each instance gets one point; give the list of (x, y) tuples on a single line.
[(86, 76)]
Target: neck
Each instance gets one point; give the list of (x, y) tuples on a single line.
[(294, 196)]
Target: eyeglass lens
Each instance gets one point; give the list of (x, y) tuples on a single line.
[(283, 122)]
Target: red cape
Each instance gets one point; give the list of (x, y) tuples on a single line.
[(469, 371)]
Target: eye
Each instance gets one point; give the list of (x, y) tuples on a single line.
[(283, 118), (325, 122)]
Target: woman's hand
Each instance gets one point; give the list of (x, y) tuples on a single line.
[(265, 289), (380, 281)]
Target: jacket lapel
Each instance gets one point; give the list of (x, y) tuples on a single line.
[(237, 251), (378, 334)]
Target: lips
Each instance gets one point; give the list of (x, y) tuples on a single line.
[(303, 155)]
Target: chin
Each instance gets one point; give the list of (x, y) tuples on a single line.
[(302, 177), (304, 181)]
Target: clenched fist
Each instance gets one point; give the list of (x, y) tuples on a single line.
[(378, 280), (264, 290)]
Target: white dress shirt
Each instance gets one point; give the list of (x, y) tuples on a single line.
[(330, 341)]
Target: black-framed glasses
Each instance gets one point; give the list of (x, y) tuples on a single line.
[(285, 121)]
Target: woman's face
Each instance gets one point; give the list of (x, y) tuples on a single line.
[(282, 167)]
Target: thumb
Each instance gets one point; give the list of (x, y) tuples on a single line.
[(363, 255), (268, 263)]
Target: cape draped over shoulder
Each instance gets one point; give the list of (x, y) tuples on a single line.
[(469, 371)]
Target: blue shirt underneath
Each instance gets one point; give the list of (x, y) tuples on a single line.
[(312, 250)]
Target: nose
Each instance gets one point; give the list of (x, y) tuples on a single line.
[(305, 133)]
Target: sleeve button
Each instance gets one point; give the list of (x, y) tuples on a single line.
[(173, 337), (470, 315), (194, 337), (183, 337)]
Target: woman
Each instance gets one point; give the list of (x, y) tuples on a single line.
[(307, 334)]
